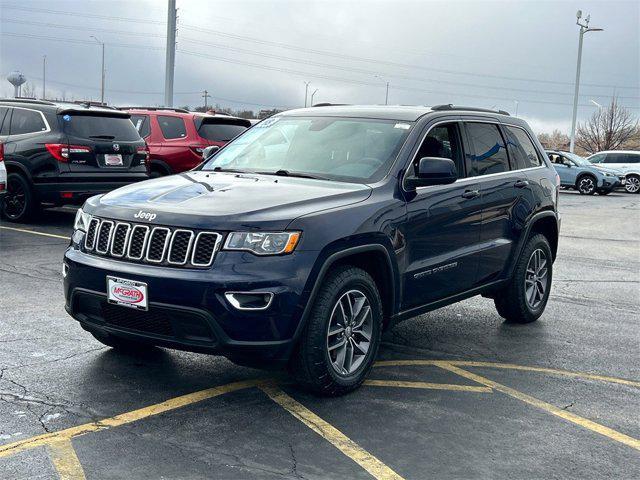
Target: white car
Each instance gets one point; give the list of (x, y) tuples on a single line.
[(628, 161), (3, 174)]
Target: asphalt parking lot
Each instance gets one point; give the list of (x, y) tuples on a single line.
[(456, 394)]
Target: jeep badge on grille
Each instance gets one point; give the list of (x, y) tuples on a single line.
[(145, 215)]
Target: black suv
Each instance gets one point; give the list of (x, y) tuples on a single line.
[(62, 153), (301, 240)]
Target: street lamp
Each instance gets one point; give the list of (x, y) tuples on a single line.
[(312, 95), (386, 96), (102, 80), (584, 28), (596, 103), (306, 92)]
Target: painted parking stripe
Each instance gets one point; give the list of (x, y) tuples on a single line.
[(65, 460), (428, 386), (34, 232), (351, 449), (122, 419), (564, 414)]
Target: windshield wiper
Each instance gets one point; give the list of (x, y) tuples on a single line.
[(287, 173), (232, 170), (106, 137)]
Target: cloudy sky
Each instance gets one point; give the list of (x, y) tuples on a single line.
[(259, 54)]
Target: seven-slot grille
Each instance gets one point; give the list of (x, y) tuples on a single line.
[(155, 245)]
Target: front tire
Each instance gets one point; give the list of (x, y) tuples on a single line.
[(586, 185), (632, 184), (341, 339), (525, 297)]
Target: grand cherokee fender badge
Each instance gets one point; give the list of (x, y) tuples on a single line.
[(142, 215), (435, 270)]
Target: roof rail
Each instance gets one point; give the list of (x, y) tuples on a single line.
[(327, 104), (179, 110), (450, 106), (27, 100)]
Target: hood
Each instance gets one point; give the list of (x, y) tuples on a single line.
[(225, 200)]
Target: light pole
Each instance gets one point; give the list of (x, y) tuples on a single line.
[(306, 92), (516, 102), (44, 76), (596, 104), (386, 95), (584, 28), (312, 95), (102, 79)]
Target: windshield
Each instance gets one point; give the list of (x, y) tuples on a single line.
[(344, 149), (577, 159), (100, 127)]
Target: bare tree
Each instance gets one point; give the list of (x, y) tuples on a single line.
[(555, 140), (607, 129), (29, 90)]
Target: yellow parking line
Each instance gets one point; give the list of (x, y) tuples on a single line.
[(564, 414), (427, 385), (24, 230), (65, 460), (510, 366), (135, 415), (351, 449)]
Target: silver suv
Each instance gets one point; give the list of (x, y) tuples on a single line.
[(628, 161)]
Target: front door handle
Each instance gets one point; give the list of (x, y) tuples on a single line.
[(470, 194), (521, 183)]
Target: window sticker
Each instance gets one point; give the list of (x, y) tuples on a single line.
[(402, 126), (267, 123)]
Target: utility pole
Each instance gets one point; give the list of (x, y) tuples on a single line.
[(102, 71), (44, 77), (386, 98), (584, 28), (171, 53), (306, 92), (205, 95)]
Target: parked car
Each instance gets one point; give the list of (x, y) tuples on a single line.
[(579, 174), (628, 161), (62, 153), (177, 137), (3, 175), (302, 256)]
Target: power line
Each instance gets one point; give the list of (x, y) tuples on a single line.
[(79, 14), (79, 41)]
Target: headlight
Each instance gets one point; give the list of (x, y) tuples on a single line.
[(263, 243), (82, 221)]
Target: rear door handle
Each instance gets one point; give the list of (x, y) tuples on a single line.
[(470, 194), (521, 184)]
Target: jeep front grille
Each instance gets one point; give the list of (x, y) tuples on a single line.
[(153, 245)]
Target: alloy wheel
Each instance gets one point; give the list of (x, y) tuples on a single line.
[(536, 279), (632, 184), (349, 332), (15, 201), (586, 185)]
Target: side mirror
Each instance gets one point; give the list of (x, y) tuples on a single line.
[(209, 151), (434, 171)]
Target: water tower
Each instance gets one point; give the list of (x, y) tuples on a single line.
[(16, 79)]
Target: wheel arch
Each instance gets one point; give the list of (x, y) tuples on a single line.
[(161, 165), (545, 223), (16, 167)]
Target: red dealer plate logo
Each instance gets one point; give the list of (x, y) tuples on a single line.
[(127, 293)]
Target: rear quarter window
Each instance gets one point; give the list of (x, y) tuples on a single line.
[(631, 158), (26, 121), (141, 123), (99, 127), (521, 148), (172, 127)]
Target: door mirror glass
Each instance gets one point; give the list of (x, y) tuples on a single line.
[(433, 171), (209, 151)]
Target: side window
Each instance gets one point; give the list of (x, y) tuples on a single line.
[(597, 158), (4, 113), (489, 151), (631, 158), (614, 158), (172, 127), (26, 121), (141, 122), (521, 149), (442, 141)]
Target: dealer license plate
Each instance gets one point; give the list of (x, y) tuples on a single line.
[(127, 293)]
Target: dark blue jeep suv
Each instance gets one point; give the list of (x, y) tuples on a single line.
[(300, 241)]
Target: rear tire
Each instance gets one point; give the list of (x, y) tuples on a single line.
[(586, 185), (334, 355), (525, 297), (20, 203)]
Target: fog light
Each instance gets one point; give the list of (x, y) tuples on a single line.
[(249, 300)]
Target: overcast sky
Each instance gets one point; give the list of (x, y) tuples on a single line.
[(258, 54)]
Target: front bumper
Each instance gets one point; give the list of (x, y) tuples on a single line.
[(187, 307)]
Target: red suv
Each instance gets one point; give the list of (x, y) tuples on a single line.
[(176, 137)]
